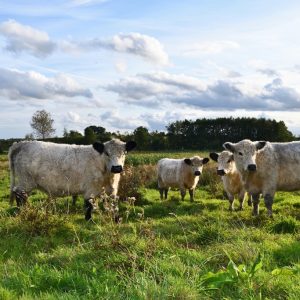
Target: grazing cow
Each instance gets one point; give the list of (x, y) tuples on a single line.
[(232, 180), (62, 170), (181, 173), (267, 167)]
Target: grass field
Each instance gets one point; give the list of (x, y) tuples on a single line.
[(160, 250)]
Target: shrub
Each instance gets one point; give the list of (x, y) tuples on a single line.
[(38, 220), (135, 178), (211, 180)]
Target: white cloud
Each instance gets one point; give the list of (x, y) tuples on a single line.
[(161, 87), (153, 85), (137, 44), (268, 71), (22, 38), (73, 117), (121, 66), (16, 85), (115, 121)]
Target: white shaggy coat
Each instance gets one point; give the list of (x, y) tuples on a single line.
[(61, 170), (277, 168), (179, 174)]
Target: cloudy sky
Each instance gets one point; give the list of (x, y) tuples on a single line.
[(121, 64)]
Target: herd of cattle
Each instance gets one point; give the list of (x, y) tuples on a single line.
[(259, 168)]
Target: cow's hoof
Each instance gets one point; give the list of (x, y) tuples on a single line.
[(88, 217), (118, 219)]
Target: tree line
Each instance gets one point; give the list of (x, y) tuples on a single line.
[(200, 134)]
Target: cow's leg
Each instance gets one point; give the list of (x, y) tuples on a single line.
[(161, 192), (20, 195), (90, 205), (255, 202), (191, 192), (182, 192), (231, 201), (268, 198), (249, 199), (74, 200), (241, 199), (166, 193)]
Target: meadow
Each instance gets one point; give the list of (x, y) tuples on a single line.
[(160, 249)]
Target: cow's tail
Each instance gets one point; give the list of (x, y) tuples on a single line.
[(12, 176)]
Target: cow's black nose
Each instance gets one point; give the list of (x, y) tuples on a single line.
[(251, 167), (116, 169), (197, 173), (221, 172)]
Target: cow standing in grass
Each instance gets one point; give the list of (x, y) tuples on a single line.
[(180, 173), (232, 179), (61, 170), (267, 167)]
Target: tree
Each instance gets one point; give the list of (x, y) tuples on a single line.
[(142, 137), (29, 137), (42, 124), (89, 135), (100, 133)]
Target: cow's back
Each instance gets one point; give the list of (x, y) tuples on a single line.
[(287, 157), (169, 171), (59, 169)]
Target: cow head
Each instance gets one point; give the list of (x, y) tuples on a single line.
[(225, 162), (113, 153), (244, 153), (196, 164)]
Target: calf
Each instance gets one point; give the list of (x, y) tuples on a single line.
[(181, 173), (267, 167), (232, 180), (61, 170)]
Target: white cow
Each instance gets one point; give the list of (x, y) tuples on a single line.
[(232, 180), (181, 173), (61, 170), (267, 167)]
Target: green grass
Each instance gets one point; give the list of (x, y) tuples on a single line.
[(161, 250), (147, 158)]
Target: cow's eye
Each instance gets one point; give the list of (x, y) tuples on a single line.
[(229, 161), (106, 153), (240, 153)]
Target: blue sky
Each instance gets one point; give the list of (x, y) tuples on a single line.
[(123, 64)]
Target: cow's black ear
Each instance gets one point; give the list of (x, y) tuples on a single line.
[(205, 160), (130, 145), (259, 145), (229, 146), (214, 156), (99, 147), (188, 161)]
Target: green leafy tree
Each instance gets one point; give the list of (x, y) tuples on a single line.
[(142, 137), (42, 124), (89, 135)]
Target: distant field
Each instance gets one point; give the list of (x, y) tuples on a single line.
[(161, 250), (145, 158)]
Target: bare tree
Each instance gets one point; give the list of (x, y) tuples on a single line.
[(42, 124)]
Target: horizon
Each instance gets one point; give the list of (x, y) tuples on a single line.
[(125, 64)]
